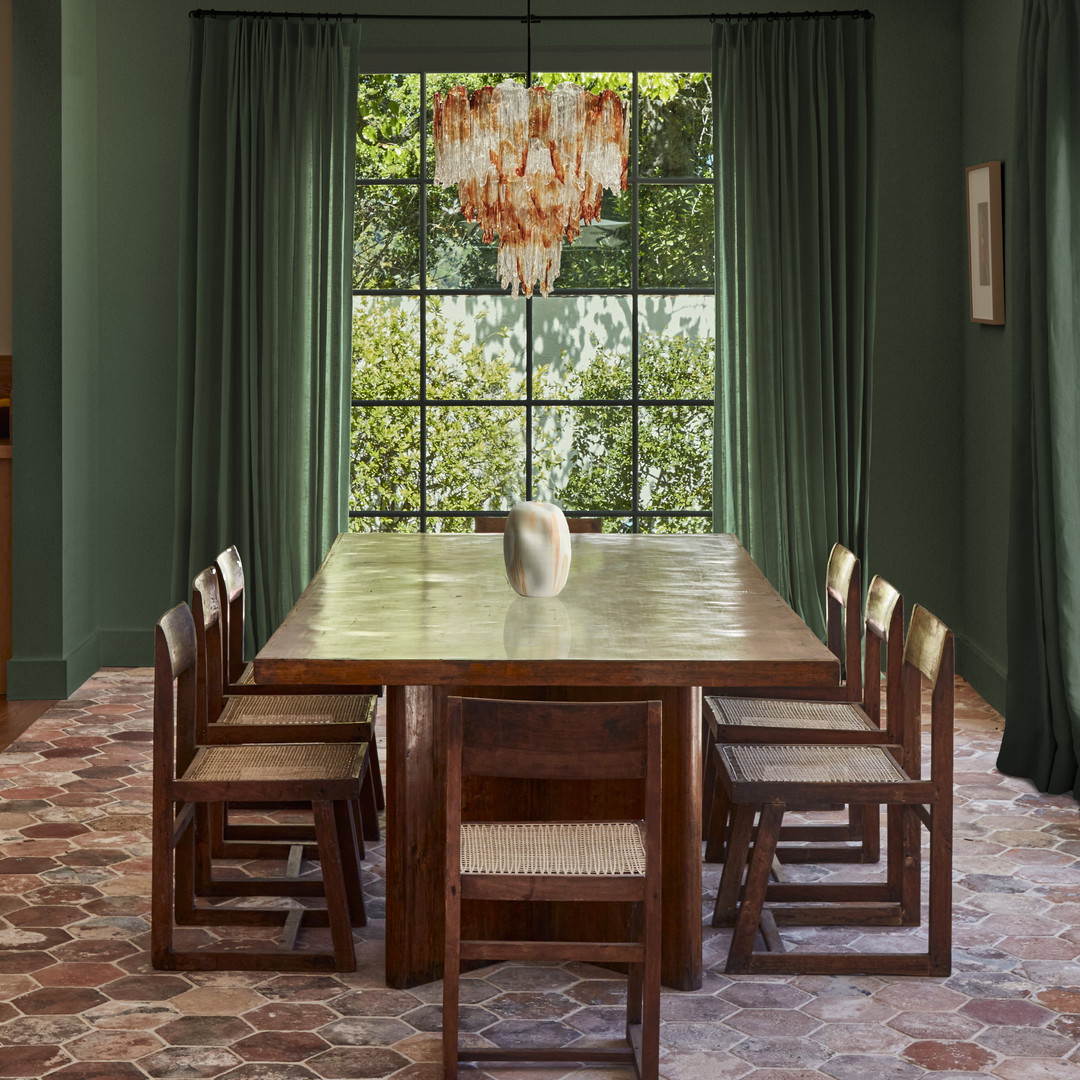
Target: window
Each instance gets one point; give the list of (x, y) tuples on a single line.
[(598, 397)]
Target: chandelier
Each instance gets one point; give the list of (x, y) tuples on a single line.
[(531, 166)]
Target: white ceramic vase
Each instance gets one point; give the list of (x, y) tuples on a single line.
[(536, 549)]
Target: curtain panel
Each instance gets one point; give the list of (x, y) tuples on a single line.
[(796, 248), (265, 302), (1042, 729)]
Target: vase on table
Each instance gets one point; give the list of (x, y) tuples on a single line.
[(536, 549)]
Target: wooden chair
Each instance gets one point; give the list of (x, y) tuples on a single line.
[(765, 779), (240, 678), (843, 603), (188, 776), (764, 720), (574, 524), (269, 718), (557, 861)]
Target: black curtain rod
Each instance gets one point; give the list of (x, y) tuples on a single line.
[(749, 16)]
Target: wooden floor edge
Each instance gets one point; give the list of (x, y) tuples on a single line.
[(17, 716)]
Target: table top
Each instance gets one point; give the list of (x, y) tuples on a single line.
[(436, 609)]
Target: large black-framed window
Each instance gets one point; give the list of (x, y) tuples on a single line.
[(598, 397)]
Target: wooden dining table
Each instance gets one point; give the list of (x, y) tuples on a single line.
[(641, 617)]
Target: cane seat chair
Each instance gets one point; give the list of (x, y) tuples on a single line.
[(765, 779), (188, 776), (794, 720), (844, 636), (239, 677), (483, 524), (580, 862), (269, 718)]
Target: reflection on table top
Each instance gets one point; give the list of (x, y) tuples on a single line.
[(425, 609)]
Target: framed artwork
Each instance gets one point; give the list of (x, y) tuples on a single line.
[(986, 263)]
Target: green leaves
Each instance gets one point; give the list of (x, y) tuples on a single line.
[(474, 455), (471, 457)]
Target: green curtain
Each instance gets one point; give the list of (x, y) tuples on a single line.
[(796, 228), (265, 302), (1042, 730)]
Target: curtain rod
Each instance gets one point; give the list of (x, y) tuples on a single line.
[(750, 16)]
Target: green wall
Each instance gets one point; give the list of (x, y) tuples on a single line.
[(991, 28), (38, 540), (99, 107)]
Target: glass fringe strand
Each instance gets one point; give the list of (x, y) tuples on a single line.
[(531, 166)]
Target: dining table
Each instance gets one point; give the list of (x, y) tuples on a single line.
[(641, 617)]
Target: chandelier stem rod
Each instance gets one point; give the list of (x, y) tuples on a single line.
[(714, 16)]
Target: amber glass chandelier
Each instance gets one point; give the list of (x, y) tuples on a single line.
[(531, 166)]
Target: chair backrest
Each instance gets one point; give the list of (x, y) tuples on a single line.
[(231, 571), (574, 524), (175, 695), (884, 624), (929, 654), (554, 740), (843, 604), (206, 611)]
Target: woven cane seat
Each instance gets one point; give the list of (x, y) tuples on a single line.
[(762, 712), (299, 709), (580, 848), (833, 764), (277, 762)]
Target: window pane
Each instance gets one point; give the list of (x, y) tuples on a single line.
[(458, 258), (582, 456), (475, 344), (582, 347), (388, 127), (385, 458), (384, 524), (674, 525), (675, 457), (386, 237), (676, 243), (676, 346), (600, 256), (476, 457), (386, 348), (676, 124), (476, 347), (450, 525)]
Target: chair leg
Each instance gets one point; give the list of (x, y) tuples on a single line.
[(649, 1061), (708, 772), (939, 912), (748, 919), (740, 830), (451, 980), (910, 860), (333, 875), (190, 867), (345, 817), (376, 773), (867, 818), (162, 898), (369, 804), (635, 976)]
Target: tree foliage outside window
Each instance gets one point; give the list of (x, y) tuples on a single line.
[(457, 409)]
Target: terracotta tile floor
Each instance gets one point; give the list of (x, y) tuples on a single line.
[(78, 1000)]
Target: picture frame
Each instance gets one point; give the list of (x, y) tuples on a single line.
[(986, 262)]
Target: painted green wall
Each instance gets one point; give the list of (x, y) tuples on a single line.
[(38, 540), (991, 28), (100, 503)]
